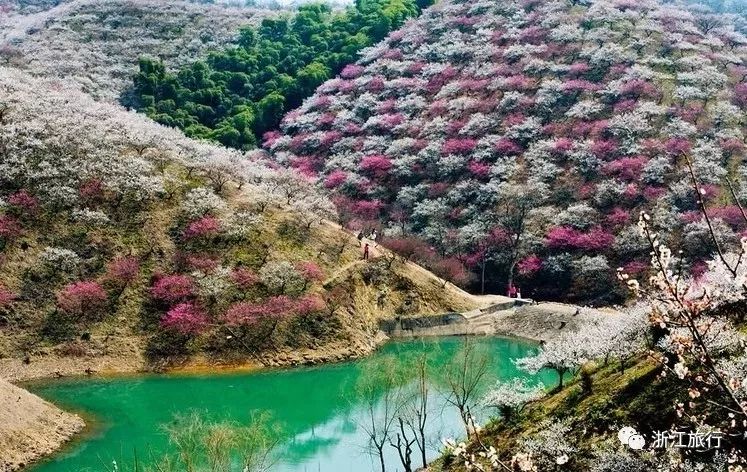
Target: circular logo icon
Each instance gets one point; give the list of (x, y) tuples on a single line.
[(625, 433), (636, 442)]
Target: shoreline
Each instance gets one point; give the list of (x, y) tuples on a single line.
[(15, 371), (532, 324), (32, 428)]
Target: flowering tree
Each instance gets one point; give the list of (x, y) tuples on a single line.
[(85, 299), (579, 112), (7, 298), (310, 271), (450, 270), (281, 277), (700, 346), (244, 278), (123, 271), (560, 354), (185, 318), (10, 228), (203, 228), (172, 288), (511, 397)]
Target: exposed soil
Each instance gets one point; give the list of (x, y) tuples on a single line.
[(30, 428)]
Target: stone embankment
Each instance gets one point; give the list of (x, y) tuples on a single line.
[(503, 317)]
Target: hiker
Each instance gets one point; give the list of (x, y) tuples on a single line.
[(518, 293), (360, 238), (365, 252), (511, 291), (373, 238)]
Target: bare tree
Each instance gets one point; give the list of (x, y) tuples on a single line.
[(381, 392), (417, 413), (464, 378), (403, 444)]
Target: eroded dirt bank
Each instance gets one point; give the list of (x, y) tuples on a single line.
[(30, 428)]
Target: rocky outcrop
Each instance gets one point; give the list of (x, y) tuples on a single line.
[(30, 428)]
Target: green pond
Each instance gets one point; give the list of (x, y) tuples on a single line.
[(317, 408)]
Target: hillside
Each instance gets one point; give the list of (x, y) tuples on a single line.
[(126, 245), (241, 91), (96, 45), (520, 140)]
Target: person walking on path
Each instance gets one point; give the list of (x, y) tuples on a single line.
[(365, 252), (373, 238), (360, 238)]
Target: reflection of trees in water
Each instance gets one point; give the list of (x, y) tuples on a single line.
[(318, 407)]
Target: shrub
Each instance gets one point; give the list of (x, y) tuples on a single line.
[(244, 278), (205, 227), (86, 299), (185, 318), (172, 288), (123, 270)]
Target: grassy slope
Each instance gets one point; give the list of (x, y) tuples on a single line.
[(637, 397), (152, 231), (118, 341)]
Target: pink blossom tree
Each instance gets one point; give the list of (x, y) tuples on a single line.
[(10, 228), (450, 269), (185, 318), (123, 270), (7, 298), (24, 203), (530, 265), (85, 299), (202, 228), (121, 273), (377, 165), (308, 305), (310, 272), (459, 146), (244, 278), (171, 289)]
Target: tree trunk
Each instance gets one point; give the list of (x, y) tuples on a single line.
[(482, 277), (511, 275), (381, 459)]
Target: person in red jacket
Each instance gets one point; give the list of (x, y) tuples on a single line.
[(365, 252)]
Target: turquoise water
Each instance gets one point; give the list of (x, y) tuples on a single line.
[(317, 407)]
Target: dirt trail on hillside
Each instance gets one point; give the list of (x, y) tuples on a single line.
[(30, 427)]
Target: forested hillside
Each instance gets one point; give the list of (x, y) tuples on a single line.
[(239, 93), (97, 44), (520, 140), (114, 228)]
